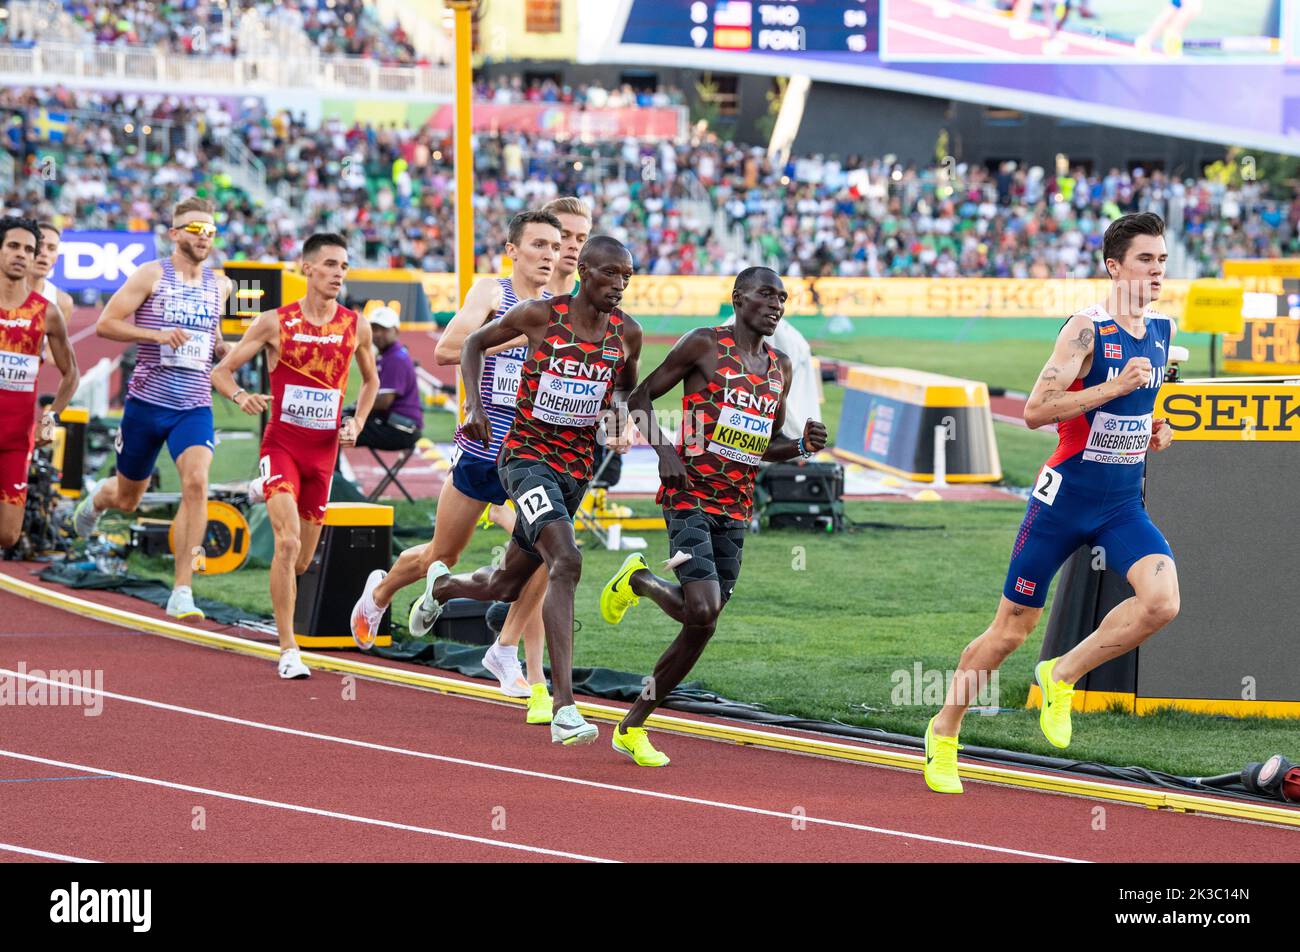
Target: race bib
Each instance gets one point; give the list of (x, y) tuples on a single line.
[(567, 401), (1047, 486), (313, 408), (18, 371), (505, 380), (740, 437), (1118, 440), (191, 355)]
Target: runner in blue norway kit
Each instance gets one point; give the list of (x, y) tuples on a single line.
[(1099, 387), (1090, 491)]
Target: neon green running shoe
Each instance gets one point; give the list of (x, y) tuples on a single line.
[(617, 595), (941, 761), (539, 705), (1058, 700), (635, 743)]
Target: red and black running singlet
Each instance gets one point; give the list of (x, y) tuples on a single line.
[(567, 383), (311, 376), (22, 336), (726, 426)]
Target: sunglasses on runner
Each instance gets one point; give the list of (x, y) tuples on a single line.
[(204, 229)]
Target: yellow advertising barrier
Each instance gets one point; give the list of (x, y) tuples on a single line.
[(693, 296), (1213, 307)]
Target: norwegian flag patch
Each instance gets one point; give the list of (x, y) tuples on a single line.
[(1024, 586), (1113, 351)]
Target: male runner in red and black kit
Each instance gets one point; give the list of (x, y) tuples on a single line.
[(583, 354), (733, 408), (309, 346), (27, 320)]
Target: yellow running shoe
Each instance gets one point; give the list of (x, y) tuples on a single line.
[(539, 705), (617, 595), (941, 761), (1058, 700), (635, 743)]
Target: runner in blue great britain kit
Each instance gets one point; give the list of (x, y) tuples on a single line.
[(177, 304), (1099, 387)]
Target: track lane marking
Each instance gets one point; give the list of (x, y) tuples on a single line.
[(9, 847), (313, 811), (520, 771)]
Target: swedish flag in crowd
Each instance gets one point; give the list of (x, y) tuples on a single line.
[(50, 126)]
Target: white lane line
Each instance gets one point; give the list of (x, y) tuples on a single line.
[(44, 855), (519, 771), (313, 811)]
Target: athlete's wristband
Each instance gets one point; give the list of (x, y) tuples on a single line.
[(234, 397), (799, 449)]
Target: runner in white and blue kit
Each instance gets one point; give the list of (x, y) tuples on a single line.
[(177, 304), (1099, 387), (533, 247)]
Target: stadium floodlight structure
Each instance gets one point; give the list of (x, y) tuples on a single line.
[(463, 12)]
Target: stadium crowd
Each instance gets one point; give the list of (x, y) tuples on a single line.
[(696, 207), (209, 27)]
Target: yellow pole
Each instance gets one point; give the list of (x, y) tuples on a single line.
[(464, 80)]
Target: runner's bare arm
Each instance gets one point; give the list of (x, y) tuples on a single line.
[(220, 346), (620, 434), (114, 321), (1051, 400), (481, 302), (369, 382), (527, 318), (262, 332), (687, 354), (781, 447), (56, 334)]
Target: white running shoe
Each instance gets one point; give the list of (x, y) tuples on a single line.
[(366, 616), (291, 665), (257, 490), (181, 604), (503, 662), (425, 610), (85, 517), (568, 727)]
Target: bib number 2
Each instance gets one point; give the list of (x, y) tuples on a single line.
[(1048, 485)]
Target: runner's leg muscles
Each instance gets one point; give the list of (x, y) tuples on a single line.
[(559, 549), (452, 530), (1011, 626), (702, 603), (282, 510), (191, 523)]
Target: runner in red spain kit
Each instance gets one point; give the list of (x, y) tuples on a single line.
[(27, 320), (733, 408), (309, 344), (583, 354)]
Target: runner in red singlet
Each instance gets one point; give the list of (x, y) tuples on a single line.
[(309, 346), (27, 320), (583, 354), (733, 408)]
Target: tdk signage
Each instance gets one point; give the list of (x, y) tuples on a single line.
[(101, 260)]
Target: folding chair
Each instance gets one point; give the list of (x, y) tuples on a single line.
[(390, 472)]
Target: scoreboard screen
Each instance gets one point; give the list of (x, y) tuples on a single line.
[(757, 26)]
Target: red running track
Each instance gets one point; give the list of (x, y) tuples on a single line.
[(924, 29), (204, 755)]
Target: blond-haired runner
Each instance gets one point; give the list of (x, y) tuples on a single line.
[(533, 247)]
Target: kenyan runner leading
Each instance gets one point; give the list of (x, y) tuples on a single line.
[(733, 408)]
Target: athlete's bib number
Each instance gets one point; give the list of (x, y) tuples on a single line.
[(505, 380), (535, 503), (18, 371), (1048, 485), (568, 401), (191, 355), (1118, 440), (740, 437), (313, 408)]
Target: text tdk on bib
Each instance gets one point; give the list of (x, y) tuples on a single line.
[(313, 408)]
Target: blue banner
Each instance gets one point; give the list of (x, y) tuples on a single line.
[(101, 260)]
